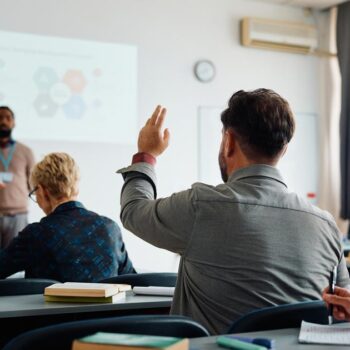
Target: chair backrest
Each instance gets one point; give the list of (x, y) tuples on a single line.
[(162, 279), (23, 286), (61, 336), (283, 316)]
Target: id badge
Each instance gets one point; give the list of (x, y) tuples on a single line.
[(6, 177)]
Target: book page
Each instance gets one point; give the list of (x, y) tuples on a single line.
[(337, 334), (82, 289), (85, 285)]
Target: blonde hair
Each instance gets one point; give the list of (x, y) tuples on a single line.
[(58, 173)]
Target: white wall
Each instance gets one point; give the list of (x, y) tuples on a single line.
[(170, 35)]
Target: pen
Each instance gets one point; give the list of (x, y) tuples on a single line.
[(332, 282), (237, 344)]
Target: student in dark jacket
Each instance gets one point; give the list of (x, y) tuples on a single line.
[(71, 243)]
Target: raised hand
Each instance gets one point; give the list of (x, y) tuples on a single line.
[(152, 139)]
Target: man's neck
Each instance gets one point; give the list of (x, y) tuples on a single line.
[(238, 163), (245, 163)]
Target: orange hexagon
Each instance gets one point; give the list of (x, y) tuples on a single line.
[(75, 80)]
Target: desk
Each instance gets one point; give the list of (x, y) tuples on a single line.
[(286, 339), (346, 247), (24, 312)]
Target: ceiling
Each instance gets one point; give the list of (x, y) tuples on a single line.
[(320, 4)]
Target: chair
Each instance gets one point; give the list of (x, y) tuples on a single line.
[(60, 336), (23, 286), (283, 316), (162, 279)]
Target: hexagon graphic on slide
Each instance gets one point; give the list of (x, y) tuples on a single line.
[(75, 79), (45, 78), (44, 106), (75, 107), (60, 93)]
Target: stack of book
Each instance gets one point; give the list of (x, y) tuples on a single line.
[(119, 341), (76, 292)]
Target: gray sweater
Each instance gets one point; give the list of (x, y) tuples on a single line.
[(244, 245)]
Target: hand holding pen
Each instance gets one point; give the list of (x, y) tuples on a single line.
[(337, 299), (340, 301)]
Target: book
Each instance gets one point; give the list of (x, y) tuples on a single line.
[(335, 334), (69, 299), (121, 341), (154, 290), (78, 289)]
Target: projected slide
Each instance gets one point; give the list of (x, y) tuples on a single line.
[(67, 89)]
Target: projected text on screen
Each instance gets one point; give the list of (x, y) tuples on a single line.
[(68, 89)]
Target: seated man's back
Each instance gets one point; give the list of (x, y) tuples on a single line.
[(254, 245)]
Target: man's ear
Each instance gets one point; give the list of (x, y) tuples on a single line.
[(229, 143)]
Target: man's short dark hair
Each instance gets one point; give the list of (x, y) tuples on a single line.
[(261, 120), (8, 109)]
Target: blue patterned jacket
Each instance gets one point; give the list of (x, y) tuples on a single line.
[(70, 244)]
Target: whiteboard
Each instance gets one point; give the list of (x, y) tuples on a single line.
[(299, 166)]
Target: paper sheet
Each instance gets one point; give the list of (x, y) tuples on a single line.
[(154, 290), (337, 334)]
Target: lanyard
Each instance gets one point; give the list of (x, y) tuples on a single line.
[(6, 162)]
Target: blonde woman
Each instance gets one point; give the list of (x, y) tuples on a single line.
[(70, 243)]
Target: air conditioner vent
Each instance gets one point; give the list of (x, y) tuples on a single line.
[(277, 35)]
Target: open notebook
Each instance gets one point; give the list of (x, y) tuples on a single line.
[(336, 334)]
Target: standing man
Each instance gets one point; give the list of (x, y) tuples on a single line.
[(16, 161), (247, 243)]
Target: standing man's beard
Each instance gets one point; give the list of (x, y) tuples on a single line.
[(5, 133), (223, 168)]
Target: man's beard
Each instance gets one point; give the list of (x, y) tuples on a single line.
[(5, 133), (223, 167)]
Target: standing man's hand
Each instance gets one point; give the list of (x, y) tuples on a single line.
[(152, 139), (2, 185)]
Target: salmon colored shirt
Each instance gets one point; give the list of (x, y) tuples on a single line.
[(14, 197)]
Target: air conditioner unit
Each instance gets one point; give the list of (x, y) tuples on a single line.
[(279, 35)]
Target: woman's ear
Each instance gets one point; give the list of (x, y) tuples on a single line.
[(44, 192)]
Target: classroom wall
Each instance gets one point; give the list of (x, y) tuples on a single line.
[(171, 35)]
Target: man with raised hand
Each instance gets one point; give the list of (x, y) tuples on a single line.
[(247, 243)]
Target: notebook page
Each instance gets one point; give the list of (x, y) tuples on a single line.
[(154, 290), (337, 334)]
